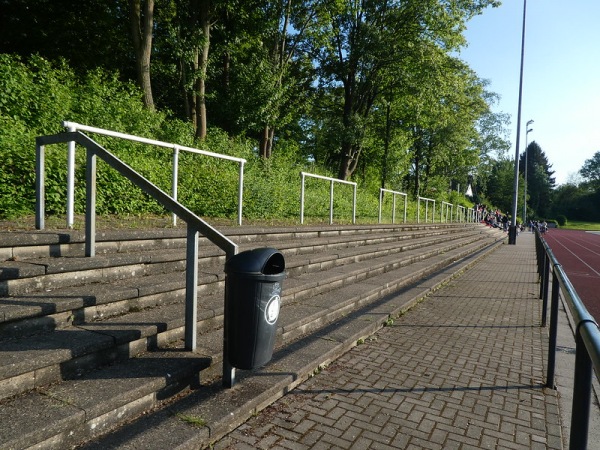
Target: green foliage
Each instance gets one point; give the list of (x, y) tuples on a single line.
[(561, 220)]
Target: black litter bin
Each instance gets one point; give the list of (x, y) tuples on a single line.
[(252, 301)]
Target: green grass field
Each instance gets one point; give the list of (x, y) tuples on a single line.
[(586, 226)]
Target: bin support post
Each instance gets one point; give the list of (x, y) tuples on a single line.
[(228, 369), (191, 288)]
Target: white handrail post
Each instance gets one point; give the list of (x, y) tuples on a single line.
[(302, 199), (380, 203), (241, 192), (433, 213), (71, 181), (331, 202), (175, 177), (354, 207), (393, 208), (90, 203), (405, 205), (40, 186), (418, 209)]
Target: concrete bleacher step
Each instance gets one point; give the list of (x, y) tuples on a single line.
[(48, 376)]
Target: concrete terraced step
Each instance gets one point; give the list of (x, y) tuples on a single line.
[(138, 279), (89, 403), (99, 338)]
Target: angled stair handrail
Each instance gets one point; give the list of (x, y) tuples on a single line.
[(72, 126), (195, 224)]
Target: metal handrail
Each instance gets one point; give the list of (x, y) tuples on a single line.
[(470, 215), (461, 213), (394, 194), (195, 224), (72, 126), (303, 175), (427, 201), (449, 207), (587, 339)]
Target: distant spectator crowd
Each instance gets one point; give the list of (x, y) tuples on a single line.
[(498, 219)]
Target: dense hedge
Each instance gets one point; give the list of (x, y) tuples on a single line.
[(37, 96)]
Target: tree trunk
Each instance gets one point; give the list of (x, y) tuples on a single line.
[(266, 142), (204, 16), (141, 31), (386, 146)]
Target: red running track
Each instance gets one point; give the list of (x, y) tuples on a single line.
[(579, 254)]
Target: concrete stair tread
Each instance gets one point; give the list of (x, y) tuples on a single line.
[(102, 335), (156, 283), (85, 401), (222, 410), (314, 327)]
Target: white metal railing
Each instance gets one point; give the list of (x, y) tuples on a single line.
[(446, 207), (427, 201), (195, 225), (72, 126), (394, 194), (471, 215), (460, 213), (332, 181)]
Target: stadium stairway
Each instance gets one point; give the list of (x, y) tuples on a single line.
[(91, 349)]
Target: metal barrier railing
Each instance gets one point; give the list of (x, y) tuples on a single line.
[(72, 126), (587, 339), (331, 180), (446, 207), (195, 225), (427, 201), (470, 215), (394, 194), (461, 212)]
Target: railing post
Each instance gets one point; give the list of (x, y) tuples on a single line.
[(241, 192), (191, 288), (174, 182), (553, 331), (381, 205), (580, 412), (354, 206), (90, 203), (545, 280), (71, 181), (40, 185), (228, 379), (302, 198), (331, 202)]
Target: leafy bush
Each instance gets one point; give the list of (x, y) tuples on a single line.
[(561, 220), (36, 96)]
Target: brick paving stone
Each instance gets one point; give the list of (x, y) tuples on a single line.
[(463, 369)]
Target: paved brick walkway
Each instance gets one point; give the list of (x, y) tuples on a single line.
[(463, 369)]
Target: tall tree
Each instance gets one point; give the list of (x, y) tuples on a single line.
[(591, 171), (540, 181), (501, 185), (359, 47)]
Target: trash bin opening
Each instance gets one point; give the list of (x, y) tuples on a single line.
[(274, 265)]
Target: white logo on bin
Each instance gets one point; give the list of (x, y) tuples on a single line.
[(272, 310)]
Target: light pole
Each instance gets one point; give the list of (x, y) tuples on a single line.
[(512, 229), (526, 157)]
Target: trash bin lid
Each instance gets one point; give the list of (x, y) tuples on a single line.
[(266, 261)]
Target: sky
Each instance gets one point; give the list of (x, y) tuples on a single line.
[(561, 75)]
